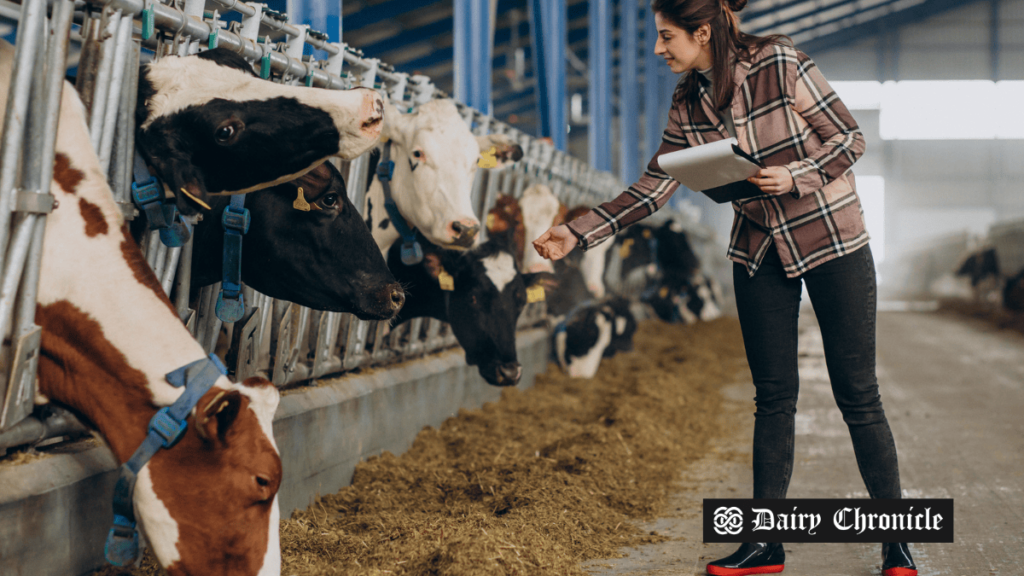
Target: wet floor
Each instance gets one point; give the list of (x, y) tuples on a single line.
[(953, 390)]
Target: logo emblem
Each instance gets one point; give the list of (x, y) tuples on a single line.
[(728, 520)]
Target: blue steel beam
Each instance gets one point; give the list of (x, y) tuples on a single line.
[(473, 43), (629, 116), (599, 64), (846, 36), (654, 114), (548, 39)]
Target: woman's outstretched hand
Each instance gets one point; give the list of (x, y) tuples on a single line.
[(555, 243)]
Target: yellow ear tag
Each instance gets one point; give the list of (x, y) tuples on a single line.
[(446, 281), (647, 233), (663, 293), (300, 201), (195, 199), (490, 221), (488, 159), (534, 294), (626, 247)]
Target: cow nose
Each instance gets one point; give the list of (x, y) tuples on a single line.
[(509, 373), (397, 298), (463, 232)]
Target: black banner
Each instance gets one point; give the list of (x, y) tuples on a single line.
[(828, 520)]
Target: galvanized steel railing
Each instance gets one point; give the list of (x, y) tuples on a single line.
[(280, 340)]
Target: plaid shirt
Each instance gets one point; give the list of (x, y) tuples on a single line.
[(785, 115)]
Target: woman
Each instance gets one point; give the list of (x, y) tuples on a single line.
[(806, 227)]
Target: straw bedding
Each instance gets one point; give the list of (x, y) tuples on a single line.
[(533, 484)]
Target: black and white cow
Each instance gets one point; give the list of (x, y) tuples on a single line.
[(208, 125), (306, 244), (1013, 293), (591, 331), (436, 158), (488, 293), (684, 298)]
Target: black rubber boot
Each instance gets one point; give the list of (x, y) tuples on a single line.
[(896, 560), (751, 558)]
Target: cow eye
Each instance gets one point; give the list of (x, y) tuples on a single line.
[(417, 154), (330, 201), (224, 133)]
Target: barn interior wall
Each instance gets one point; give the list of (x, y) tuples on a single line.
[(935, 188)]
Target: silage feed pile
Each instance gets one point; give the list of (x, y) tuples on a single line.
[(538, 482)]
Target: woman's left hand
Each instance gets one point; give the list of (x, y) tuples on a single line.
[(773, 180)]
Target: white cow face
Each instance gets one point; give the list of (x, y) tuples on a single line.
[(436, 157), (540, 207)]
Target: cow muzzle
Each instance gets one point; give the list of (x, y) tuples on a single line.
[(463, 232), (508, 374)]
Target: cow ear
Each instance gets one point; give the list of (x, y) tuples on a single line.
[(546, 280), (215, 413), (394, 124), (505, 150), (174, 167)]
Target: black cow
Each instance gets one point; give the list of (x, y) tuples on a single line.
[(1013, 293), (979, 266), (684, 298), (487, 297), (208, 125), (322, 257)]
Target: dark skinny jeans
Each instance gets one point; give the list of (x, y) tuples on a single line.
[(843, 294)]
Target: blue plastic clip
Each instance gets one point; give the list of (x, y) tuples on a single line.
[(385, 170), (412, 253), (230, 305), (167, 427), (148, 22), (122, 547)]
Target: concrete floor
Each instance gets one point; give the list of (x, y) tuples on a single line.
[(953, 390)]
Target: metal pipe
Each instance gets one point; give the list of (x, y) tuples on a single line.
[(21, 241), (124, 137), (167, 279), (110, 116), (19, 95), (57, 422), (183, 281), (99, 100)]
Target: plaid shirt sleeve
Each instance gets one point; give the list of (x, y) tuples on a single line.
[(643, 198), (842, 142)]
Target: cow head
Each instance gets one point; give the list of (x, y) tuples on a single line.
[(684, 298), (488, 296), (209, 504), (208, 125), (436, 158), (636, 249), (541, 210), (306, 244), (580, 342)]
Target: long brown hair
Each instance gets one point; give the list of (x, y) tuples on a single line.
[(726, 40)]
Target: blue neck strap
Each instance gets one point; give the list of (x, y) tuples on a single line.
[(412, 252), (564, 324), (165, 429), (235, 219), (148, 195)]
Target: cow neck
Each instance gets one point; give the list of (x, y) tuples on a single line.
[(412, 251), (109, 333)]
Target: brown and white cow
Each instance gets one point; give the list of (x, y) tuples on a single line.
[(207, 124), (436, 158), (208, 505)]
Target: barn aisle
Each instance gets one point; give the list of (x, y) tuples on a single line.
[(953, 389)]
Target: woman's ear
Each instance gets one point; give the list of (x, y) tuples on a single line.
[(703, 34)]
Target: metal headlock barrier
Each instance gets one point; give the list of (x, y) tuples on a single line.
[(280, 340)]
